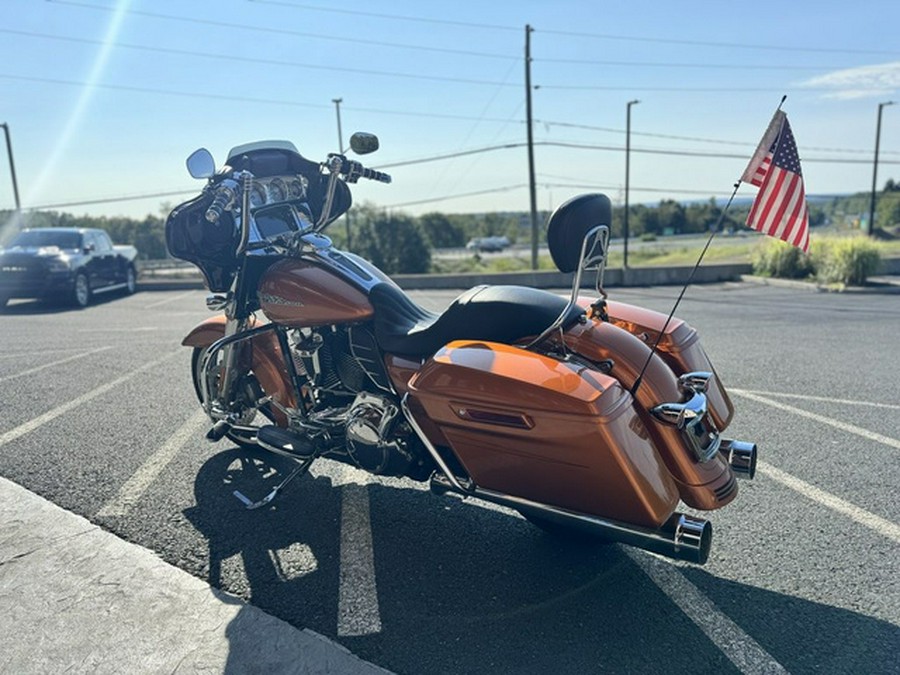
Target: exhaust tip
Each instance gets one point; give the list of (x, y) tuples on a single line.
[(741, 457), (692, 539)]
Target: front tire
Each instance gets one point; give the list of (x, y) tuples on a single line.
[(81, 291), (242, 439)]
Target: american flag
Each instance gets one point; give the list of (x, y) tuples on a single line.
[(779, 209)]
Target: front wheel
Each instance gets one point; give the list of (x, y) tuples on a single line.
[(81, 291), (249, 393)]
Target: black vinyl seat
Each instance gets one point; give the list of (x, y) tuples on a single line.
[(493, 313)]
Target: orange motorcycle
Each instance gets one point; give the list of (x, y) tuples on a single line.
[(585, 415)]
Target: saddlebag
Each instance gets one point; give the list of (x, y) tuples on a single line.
[(552, 432)]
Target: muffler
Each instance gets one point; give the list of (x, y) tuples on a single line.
[(741, 457), (681, 537)]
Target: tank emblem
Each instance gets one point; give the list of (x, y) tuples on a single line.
[(270, 299)]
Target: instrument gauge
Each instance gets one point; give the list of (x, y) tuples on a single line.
[(277, 190), (297, 189), (257, 195)]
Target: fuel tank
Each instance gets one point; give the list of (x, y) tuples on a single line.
[(551, 432), (299, 293)]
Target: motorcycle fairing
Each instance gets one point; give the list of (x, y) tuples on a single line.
[(549, 431)]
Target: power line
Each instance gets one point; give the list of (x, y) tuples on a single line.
[(250, 59), (408, 113), (670, 64)]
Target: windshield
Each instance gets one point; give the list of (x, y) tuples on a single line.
[(39, 238)]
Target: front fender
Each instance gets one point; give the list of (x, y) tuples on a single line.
[(265, 359)]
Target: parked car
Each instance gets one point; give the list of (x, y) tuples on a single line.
[(488, 244), (65, 263)]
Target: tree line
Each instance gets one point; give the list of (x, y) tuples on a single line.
[(400, 243)]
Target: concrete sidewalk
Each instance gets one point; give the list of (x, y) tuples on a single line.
[(75, 598)]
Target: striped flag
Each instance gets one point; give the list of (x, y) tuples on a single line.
[(779, 209)]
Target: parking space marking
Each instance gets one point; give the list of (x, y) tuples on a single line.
[(358, 612), (134, 488), (821, 399), (53, 364), (19, 355), (843, 426), (50, 415), (880, 525), (160, 303), (741, 649)]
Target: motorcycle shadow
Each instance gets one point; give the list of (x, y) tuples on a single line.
[(464, 588)]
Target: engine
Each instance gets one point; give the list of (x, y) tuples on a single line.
[(353, 405), (377, 439)]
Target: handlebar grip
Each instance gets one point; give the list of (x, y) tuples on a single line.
[(223, 196), (371, 174)]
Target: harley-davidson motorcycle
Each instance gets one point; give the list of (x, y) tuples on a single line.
[(586, 415)]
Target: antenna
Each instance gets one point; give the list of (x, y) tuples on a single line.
[(653, 350)]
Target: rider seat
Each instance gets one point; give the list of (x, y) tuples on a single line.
[(494, 313)]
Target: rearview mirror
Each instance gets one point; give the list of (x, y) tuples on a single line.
[(362, 143), (201, 164)]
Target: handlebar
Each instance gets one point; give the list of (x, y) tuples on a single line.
[(225, 195), (372, 174)]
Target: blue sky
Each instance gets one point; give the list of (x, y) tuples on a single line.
[(104, 98)]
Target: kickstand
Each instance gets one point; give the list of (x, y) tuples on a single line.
[(299, 471)]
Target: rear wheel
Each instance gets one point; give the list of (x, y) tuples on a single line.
[(249, 392), (130, 280)]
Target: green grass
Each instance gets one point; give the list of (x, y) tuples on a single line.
[(722, 250)]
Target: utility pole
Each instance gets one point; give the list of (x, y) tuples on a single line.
[(529, 122), (870, 228), (12, 166), (337, 107), (627, 172)]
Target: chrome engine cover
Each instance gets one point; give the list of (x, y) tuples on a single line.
[(375, 440)]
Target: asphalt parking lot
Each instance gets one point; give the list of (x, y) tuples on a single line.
[(98, 415)]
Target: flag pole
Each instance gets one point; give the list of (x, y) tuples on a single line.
[(716, 227), (653, 350)]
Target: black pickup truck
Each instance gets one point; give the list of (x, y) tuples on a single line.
[(66, 264)]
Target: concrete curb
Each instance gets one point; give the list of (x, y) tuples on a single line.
[(633, 276), (876, 285), (76, 598)]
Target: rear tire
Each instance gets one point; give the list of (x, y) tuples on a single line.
[(130, 280)]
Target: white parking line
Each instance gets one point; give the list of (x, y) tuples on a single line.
[(129, 494), (358, 612), (821, 399), (159, 303), (843, 426), (53, 364), (880, 525), (51, 415), (741, 649)]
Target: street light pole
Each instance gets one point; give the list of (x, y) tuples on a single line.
[(627, 171), (12, 166), (871, 226), (337, 107)]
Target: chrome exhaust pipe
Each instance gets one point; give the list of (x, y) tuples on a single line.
[(681, 537), (741, 457)]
